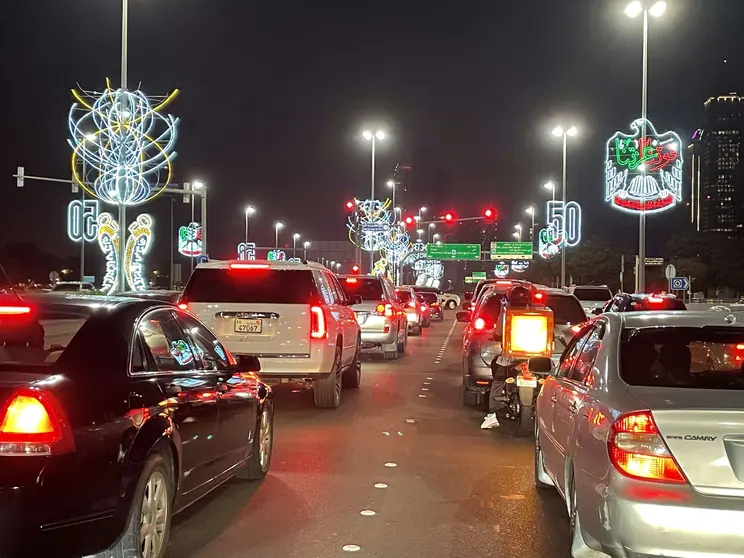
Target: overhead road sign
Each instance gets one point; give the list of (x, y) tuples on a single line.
[(511, 250), (453, 251)]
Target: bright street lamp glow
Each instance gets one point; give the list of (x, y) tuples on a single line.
[(557, 131), (439, 242), (398, 209), (423, 210), (380, 135), (333, 262), (198, 184), (278, 225), (516, 235), (634, 9), (390, 183), (420, 231), (549, 185), (250, 210), (417, 218), (367, 135), (90, 137), (530, 210), (658, 9), (306, 244), (518, 226), (432, 225), (296, 236), (572, 131)]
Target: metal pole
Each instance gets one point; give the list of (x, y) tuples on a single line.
[(82, 227), (622, 270), (122, 207), (372, 254), (246, 226), (192, 220), (563, 232), (642, 219), (276, 230), (205, 250), (170, 273), (124, 43)]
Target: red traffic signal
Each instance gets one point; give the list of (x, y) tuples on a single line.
[(489, 213), (409, 220), (349, 205), (355, 269), (448, 217)]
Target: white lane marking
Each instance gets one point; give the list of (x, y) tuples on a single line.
[(386, 433), (424, 389), (428, 378), (400, 433), (367, 513), (351, 548), (380, 485), (410, 421), (391, 464), (514, 497), (440, 354), (427, 383), (421, 395)]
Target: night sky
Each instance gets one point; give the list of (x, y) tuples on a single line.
[(275, 95)]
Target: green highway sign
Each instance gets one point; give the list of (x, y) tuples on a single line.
[(479, 275), (511, 250), (470, 280), (453, 251)]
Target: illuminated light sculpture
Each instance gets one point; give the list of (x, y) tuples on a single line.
[(643, 175), (82, 220), (502, 270), (548, 242), (380, 267), (123, 144), (396, 246), (370, 224), (519, 266), (108, 240), (566, 220), (428, 272), (247, 251), (190, 240), (138, 244), (277, 256)]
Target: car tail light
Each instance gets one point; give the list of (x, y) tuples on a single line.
[(423, 307), (435, 304), (317, 323), (479, 324), (33, 423), (412, 304), (539, 297), (248, 266), (183, 305), (638, 451), (14, 310), (384, 309), (576, 328), (655, 299), (352, 280)]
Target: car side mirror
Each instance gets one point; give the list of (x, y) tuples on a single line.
[(540, 365), (248, 363), (597, 311), (353, 299), (463, 317)]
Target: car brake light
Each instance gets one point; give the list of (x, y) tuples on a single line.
[(317, 323), (655, 299), (638, 451), (479, 324), (384, 309), (248, 266), (435, 304), (576, 328), (740, 347), (352, 280), (183, 305), (14, 310), (539, 297), (503, 282), (412, 304), (34, 424), (423, 307)]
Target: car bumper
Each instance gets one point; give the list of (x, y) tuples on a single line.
[(643, 519), (413, 319), (478, 375), (378, 330), (315, 364)]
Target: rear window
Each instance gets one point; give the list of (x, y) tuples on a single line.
[(593, 294), (37, 339), (404, 296), (698, 358), (68, 287), (656, 303), (368, 288), (566, 309), (429, 297), (257, 286), (491, 308)]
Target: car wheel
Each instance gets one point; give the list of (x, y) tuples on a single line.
[(327, 392), (148, 530), (353, 374), (416, 330), (471, 398), (263, 444), (525, 427), (451, 305), (579, 548), (542, 480)]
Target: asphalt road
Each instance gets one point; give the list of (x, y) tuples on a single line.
[(448, 488)]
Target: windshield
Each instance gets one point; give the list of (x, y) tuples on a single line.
[(656, 303), (368, 288), (702, 358), (67, 287), (566, 309), (257, 286), (594, 295)]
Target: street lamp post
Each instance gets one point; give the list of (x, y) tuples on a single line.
[(550, 185), (558, 131), (277, 227), (531, 212), (632, 10), (421, 210), (518, 234), (369, 136), (196, 185), (432, 226), (249, 211), (391, 184), (295, 238), (306, 245)]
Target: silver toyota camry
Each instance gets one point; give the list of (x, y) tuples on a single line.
[(641, 430)]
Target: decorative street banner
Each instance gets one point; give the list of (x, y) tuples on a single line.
[(277, 255), (138, 244), (82, 220), (502, 270), (370, 223), (247, 251), (190, 240), (643, 175), (549, 242), (565, 220), (108, 240)]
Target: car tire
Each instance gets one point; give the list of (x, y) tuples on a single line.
[(471, 398), (353, 375), (416, 331), (155, 487), (525, 426), (263, 444), (542, 480), (451, 305), (327, 392)]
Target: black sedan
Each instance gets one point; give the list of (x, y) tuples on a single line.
[(116, 413), (641, 302), (171, 297)]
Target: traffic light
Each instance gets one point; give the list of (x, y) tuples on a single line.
[(449, 217), (355, 269), (409, 220), (489, 213), (349, 205)]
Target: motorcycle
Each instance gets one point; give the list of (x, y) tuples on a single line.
[(523, 384)]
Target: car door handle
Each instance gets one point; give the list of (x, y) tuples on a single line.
[(222, 388), (574, 407), (172, 389)]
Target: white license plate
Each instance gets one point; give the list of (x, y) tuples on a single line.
[(521, 382), (247, 326)]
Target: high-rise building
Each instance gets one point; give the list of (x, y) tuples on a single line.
[(402, 178), (717, 173)]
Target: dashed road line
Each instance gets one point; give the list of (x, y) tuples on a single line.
[(440, 354)]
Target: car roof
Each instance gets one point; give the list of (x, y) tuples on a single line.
[(81, 300), (361, 276), (677, 318), (273, 264), (552, 290)]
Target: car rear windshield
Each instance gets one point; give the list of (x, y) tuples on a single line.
[(68, 287), (404, 296), (566, 309), (592, 294), (39, 337), (491, 309), (429, 297), (368, 288), (651, 303), (256, 286), (701, 358)]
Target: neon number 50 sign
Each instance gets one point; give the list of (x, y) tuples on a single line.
[(566, 220), (82, 220)]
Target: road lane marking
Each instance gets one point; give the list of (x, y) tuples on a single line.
[(368, 513), (440, 354), (380, 485), (351, 548), (391, 464)]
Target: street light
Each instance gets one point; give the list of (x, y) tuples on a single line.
[(550, 185), (634, 9), (295, 238), (561, 132), (436, 237), (338, 267), (391, 184), (518, 236), (421, 210), (306, 245), (249, 212), (277, 227), (531, 212)]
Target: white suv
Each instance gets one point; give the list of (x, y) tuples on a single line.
[(294, 317)]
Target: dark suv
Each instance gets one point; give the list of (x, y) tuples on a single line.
[(641, 302)]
